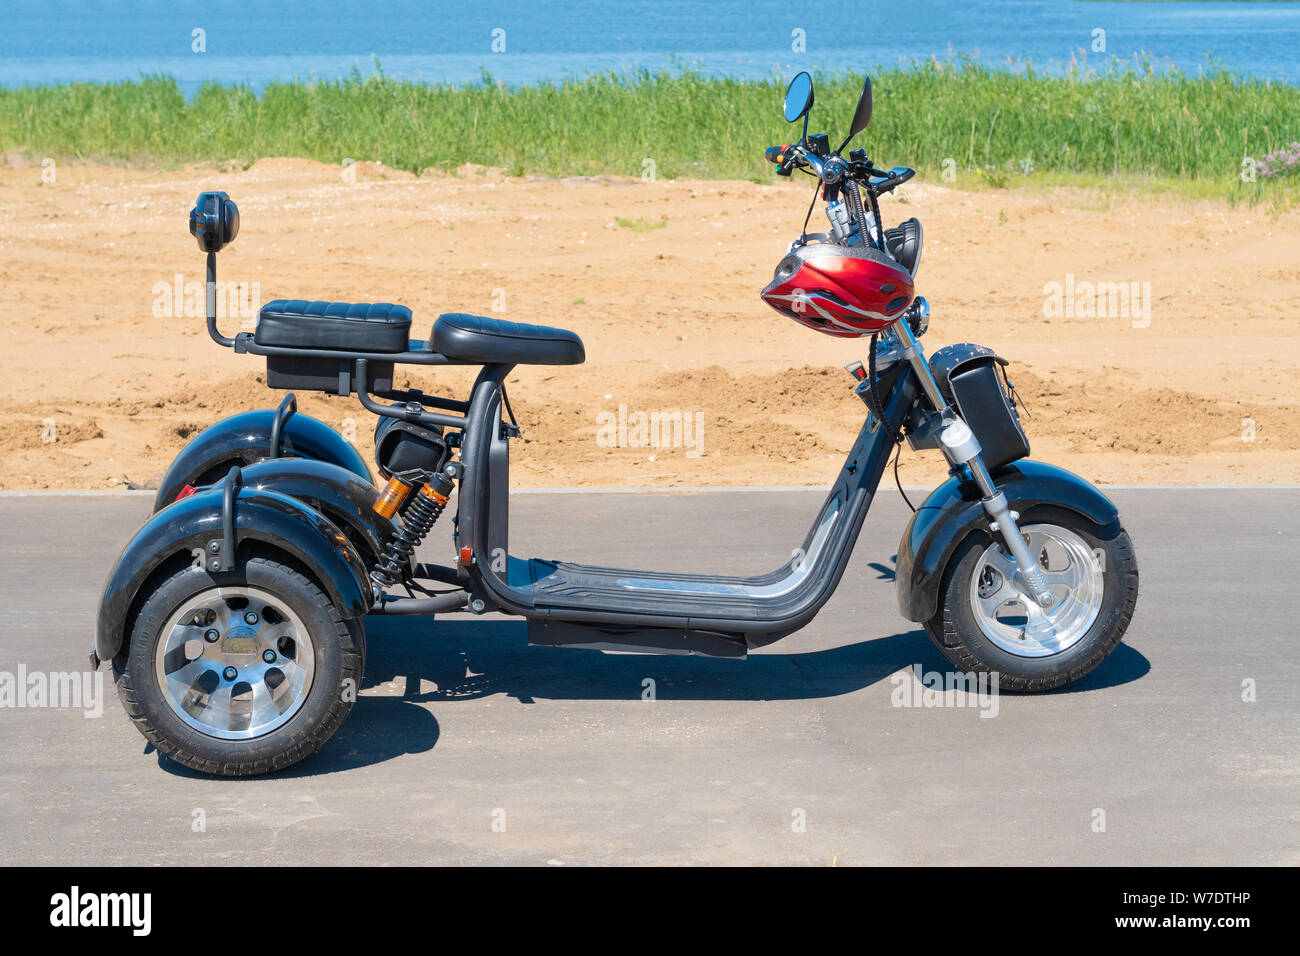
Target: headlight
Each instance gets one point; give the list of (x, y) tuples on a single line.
[(918, 316)]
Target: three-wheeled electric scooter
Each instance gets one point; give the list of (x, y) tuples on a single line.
[(233, 620)]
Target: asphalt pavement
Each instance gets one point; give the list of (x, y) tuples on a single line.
[(468, 746)]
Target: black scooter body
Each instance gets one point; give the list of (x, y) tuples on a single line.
[(304, 490), (232, 618), (714, 615)]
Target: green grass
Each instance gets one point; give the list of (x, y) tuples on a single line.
[(640, 224), (992, 128)]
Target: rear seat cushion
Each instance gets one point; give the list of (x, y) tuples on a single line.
[(340, 326)]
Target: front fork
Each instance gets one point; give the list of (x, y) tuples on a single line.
[(960, 447)]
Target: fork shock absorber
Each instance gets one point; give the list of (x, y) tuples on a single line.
[(418, 517)]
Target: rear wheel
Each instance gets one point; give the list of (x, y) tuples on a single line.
[(240, 674), (986, 622)]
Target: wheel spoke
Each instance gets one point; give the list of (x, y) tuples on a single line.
[(177, 659), (240, 715), (1001, 562), (195, 695), (1069, 577), (1001, 596), (184, 676), (278, 689), (1038, 623)]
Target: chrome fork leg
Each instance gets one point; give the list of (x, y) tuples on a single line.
[(1004, 522), (961, 448)]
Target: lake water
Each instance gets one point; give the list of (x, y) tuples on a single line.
[(53, 41)]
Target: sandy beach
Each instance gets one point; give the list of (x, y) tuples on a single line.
[(1193, 380)]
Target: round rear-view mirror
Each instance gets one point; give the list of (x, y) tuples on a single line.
[(798, 97)]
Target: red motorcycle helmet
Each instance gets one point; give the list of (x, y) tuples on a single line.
[(840, 290)]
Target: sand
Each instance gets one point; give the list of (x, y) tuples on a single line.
[(105, 379)]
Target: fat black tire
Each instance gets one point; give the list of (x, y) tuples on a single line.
[(339, 647), (956, 634)]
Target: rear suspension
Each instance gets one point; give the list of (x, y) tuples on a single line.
[(418, 517)]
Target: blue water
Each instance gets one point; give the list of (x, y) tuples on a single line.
[(54, 41)]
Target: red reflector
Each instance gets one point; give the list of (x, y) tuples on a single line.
[(466, 557), (186, 492)]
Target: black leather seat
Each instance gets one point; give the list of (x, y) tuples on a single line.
[(479, 339), (340, 326)]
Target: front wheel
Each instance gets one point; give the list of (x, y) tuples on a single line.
[(987, 623), (239, 674)]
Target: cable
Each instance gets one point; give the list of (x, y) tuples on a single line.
[(431, 593), (898, 482), (874, 404), (808, 218), (505, 400)]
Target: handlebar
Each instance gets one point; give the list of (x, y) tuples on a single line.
[(789, 157), (882, 181)]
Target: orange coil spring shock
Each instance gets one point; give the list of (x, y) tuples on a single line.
[(391, 498), (420, 516)]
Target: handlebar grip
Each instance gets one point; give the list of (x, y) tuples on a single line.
[(773, 153)]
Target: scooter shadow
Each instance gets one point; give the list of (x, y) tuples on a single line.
[(422, 661), (460, 660)]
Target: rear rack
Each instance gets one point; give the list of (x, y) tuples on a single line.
[(423, 355)]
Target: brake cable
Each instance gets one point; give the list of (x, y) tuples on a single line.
[(808, 218), (898, 481), (880, 223), (505, 399)]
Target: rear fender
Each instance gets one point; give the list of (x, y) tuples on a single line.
[(185, 530), (337, 493), (246, 438), (954, 510)]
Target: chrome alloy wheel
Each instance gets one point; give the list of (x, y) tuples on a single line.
[(1007, 614), (235, 663)]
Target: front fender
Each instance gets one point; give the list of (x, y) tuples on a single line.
[(185, 528), (246, 438), (955, 510)]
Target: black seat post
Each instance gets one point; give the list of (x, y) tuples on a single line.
[(212, 303), (214, 222)]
